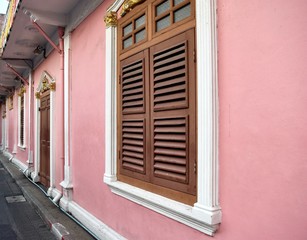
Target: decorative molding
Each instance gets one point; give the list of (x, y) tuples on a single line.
[(37, 95), (101, 230), (22, 91), (128, 5), (111, 19), (206, 214), (11, 102)]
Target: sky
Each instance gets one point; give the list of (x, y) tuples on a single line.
[(3, 6)]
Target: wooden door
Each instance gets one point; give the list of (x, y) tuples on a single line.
[(45, 139)]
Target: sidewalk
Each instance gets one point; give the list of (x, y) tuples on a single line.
[(60, 224)]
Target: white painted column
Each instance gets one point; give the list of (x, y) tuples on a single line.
[(67, 182), (110, 101), (207, 197), (30, 95)]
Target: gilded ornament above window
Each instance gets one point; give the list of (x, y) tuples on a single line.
[(111, 19), (128, 5), (21, 91)]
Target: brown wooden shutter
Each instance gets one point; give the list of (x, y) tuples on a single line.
[(133, 101), (173, 120), (21, 120)]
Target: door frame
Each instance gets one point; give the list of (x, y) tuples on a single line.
[(46, 83)]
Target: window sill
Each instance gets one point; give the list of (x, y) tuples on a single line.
[(193, 216), (22, 148)]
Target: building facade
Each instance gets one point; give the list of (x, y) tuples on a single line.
[(161, 119)]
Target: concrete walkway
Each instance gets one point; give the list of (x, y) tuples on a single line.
[(19, 219)]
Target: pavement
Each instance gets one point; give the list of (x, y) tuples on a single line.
[(27, 213)]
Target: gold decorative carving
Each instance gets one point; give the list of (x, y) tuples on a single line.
[(52, 86), (11, 102), (46, 85), (128, 5), (21, 91), (111, 19), (38, 95)]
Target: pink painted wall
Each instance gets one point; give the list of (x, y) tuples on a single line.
[(52, 66), (262, 67), (263, 132)]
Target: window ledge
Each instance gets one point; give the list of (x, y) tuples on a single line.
[(206, 221), (23, 148)]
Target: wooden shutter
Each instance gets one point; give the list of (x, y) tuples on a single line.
[(21, 120), (133, 101), (173, 120)]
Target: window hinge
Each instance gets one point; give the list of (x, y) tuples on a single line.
[(194, 55), (195, 167), (119, 155), (120, 79)]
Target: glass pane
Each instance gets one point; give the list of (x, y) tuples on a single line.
[(163, 23), (182, 13), (128, 42), (176, 2), (162, 7), (128, 29), (139, 36), (140, 21)]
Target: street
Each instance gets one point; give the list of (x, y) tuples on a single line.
[(18, 219)]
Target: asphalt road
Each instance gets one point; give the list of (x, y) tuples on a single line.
[(18, 219)]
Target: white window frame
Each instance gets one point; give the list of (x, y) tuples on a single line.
[(22, 146), (205, 215)]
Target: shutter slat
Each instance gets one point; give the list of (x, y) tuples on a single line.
[(169, 51), (171, 77), (171, 160), (136, 72), (170, 68), (133, 142), (170, 98), (132, 154), (174, 137), (179, 145), (170, 129), (133, 161), (170, 152), (170, 176), (170, 89), (133, 104), (133, 167), (133, 85), (178, 57), (170, 168), (132, 66), (133, 136), (133, 148)]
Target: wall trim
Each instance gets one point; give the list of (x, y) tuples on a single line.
[(206, 214), (97, 227)]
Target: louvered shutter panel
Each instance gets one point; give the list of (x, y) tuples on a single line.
[(173, 120), (134, 116), (21, 120)]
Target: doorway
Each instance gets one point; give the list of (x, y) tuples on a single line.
[(44, 171)]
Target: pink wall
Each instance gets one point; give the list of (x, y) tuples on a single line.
[(52, 66), (263, 132), (262, 55)]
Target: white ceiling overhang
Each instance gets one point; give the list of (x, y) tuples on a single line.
[(24, 37)]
